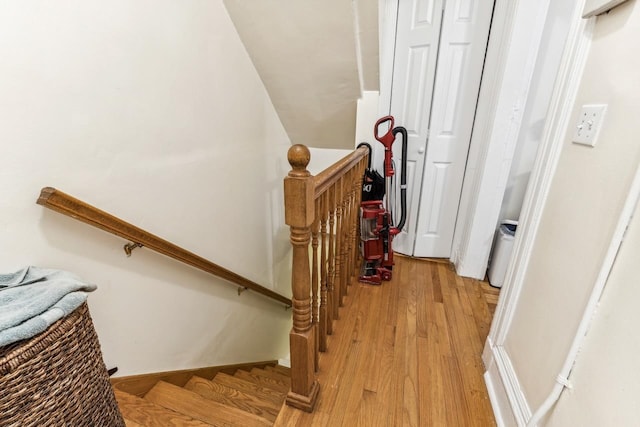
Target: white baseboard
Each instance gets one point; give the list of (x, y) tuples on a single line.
[(285, 362), (498, 399), (509, 403)]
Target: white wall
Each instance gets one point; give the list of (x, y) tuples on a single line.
[(152, 111), (366, 15), (605, 377), (585, 201), (365, 121)]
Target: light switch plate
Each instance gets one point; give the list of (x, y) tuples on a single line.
[(589, 124)]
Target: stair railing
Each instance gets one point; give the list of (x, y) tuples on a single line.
[(322, 212), (84, 212)]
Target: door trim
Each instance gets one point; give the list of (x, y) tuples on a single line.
[(513, 48), (500, 375), (388, 20), (457, 84)]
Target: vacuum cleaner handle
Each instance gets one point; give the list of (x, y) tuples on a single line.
[(403, 175), (386, 140)]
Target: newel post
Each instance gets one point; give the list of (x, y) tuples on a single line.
[(299, 216)]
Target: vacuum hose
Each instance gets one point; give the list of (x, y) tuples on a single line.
[(403, 175)]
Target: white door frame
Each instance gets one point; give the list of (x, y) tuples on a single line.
[(387, 39), (509, 404), (514, 42), (387, 20), (513, 49), (507, 77)]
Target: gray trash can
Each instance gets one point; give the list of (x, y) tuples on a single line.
[(501, 253)]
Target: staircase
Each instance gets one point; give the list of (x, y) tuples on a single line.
[(246, 398)]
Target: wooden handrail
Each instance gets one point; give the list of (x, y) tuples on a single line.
[(77, 209), (333, 173)]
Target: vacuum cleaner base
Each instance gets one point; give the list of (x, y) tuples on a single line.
[(373, 274)]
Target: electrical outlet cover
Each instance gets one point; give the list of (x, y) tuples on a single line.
[(589, 124)]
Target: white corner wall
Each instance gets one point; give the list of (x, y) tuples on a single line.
[(366, 15), (586, 198), (365, 121), (605, 378), (152, 111)]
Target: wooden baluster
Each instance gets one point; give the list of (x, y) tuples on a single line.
[(322, 332), (331, 301), (299, 216), (347, 233), (352, 222), (315, 230), (344, 238), (356, 253), (348, 257), (337, 297), (354, 219)]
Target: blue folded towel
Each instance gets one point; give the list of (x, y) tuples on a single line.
[(34, 298)]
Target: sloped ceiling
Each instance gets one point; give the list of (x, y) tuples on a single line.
[(307, 54)]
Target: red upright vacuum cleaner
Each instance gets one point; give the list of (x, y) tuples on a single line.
[(377, 226)]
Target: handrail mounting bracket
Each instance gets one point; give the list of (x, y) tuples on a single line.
[(129, 247)]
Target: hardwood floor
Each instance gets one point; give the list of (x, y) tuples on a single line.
[(407, 353)]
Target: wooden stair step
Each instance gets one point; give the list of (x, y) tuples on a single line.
[(262, 380), (252, 387), (233, 397), (140, 412), (272, 374), (281, 369), (192, 404)]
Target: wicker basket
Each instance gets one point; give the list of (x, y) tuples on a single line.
[(57, 378)]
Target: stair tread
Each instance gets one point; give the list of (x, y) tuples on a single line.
[(272, 374), (192, 404), (140, 412), (265, 381), (257, 389), (281, 369), (233, 397)]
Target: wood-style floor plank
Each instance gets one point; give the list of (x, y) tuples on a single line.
[(410, 407), (273, 375), (263, 393), (262, 380), (200, 408), (130, 423), (138, 411), (369, 311), (234, 398), (406, 353)]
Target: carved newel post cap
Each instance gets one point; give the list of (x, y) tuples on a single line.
[(299, 158)]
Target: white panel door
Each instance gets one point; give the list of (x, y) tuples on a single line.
[(416, 54), (465, 30)]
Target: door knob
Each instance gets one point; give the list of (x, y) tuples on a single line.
[(420, 150)]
